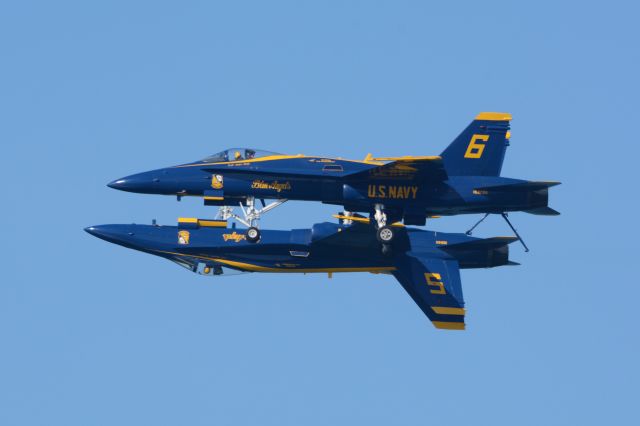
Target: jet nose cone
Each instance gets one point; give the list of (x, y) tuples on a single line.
[(144, 183), (96, 231), (118, 234), (116, 184)]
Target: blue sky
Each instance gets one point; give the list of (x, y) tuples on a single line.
[(95, 334)]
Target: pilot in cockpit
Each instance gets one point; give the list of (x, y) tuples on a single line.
[(250, 154), (237, 156)]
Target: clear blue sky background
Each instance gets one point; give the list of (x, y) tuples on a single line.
[(94, 334)]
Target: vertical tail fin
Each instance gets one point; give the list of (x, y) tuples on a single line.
[(479, 150)]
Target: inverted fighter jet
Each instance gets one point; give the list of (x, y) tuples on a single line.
[(463, 179), (427, 264)]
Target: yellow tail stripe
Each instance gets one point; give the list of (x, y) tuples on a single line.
[(449, 325), (443, 310), (494, 116)]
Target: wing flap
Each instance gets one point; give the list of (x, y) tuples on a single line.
[(435, 286)]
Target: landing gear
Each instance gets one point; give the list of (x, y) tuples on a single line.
[(477, 223), (505, 216), (253, 234), (385, 234), (251, 216), (379, 215)]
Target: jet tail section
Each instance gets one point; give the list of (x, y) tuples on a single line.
[(481, 252), (543, 211), (435, 286), (537, 193), (479, 150)]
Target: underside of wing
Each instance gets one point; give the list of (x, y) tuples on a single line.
[(435, 286)]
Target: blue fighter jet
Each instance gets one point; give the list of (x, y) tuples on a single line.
[(427, 264), (463, 179)]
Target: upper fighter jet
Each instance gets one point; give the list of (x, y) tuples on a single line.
[(464, 178), (427, 264)]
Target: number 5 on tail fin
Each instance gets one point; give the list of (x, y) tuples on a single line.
[(434, 284)]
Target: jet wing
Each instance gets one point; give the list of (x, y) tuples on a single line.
[(435, 286), (404, 168)]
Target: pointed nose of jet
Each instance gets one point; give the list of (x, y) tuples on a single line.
[(141, 182), (118, 234), (93, 230), (116, 184), (151, 182), (103, 232), (165, 181)]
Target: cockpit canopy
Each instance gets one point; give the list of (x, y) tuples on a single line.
[(237, 154)]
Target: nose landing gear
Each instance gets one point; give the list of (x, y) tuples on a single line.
[(251, 216)]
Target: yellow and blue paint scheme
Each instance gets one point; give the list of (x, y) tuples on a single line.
[(464, 178), (427, 264)]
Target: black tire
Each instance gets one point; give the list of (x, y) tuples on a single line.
[(253, 234), (385, 235)]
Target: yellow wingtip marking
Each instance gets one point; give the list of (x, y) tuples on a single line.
[(212, 223), (494, 116), (445, 325), (187, 220)]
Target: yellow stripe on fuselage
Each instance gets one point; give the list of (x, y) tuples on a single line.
[(285, 157), (257, 268), (409, 158)]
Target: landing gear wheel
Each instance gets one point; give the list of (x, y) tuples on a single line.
[(253, 234), (385, 234), (386, 249)]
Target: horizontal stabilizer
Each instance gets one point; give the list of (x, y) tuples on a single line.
[(522, 186), (484, 242), (543, 211)]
